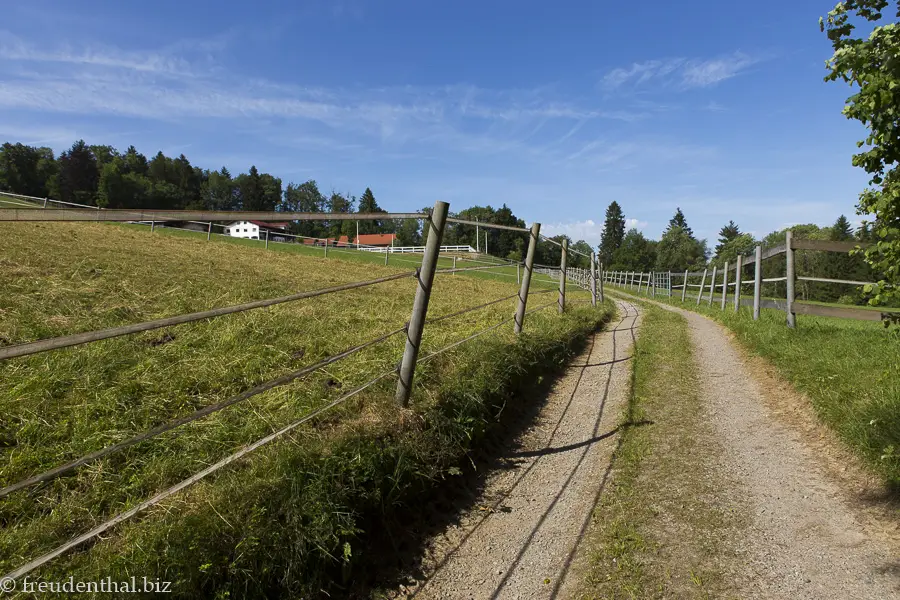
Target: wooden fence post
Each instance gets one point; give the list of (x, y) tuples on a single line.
[(209, 231), (420, 304), (562, 275), (267, 239), (526, 277), (684, 289), (789, 268), (712, 286), (518, 276), (737, 282), (757, 283), (724, 285), (702, 285), (152, 226), (593, 281), (602, 275), (653, 277), (326, 247), (669, 287)]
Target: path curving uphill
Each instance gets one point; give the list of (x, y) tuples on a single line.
[(808, 538), (519, 542)]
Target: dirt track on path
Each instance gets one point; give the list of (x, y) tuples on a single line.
[(520, 541), (807, 540)]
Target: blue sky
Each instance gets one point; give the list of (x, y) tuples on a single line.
[(556, 108)]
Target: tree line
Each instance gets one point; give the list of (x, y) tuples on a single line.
[(101, 175), (679, 250)]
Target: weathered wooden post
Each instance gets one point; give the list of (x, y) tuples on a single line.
[(593, 279), (152, 226), (757, 283), (562, 275), (670, 284), (602, 275), (420, 304), (518, 276), (653, 284), (267, 239), (386, 254), (724, 285), (526, 277), (737, 283), (712, 286), (209, 231), (789, 260), (702, 285), (45, 203), (684, 287), (326, 247), (454, 263)]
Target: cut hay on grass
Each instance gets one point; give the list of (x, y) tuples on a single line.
[(290, 519)]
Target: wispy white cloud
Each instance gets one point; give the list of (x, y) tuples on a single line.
[(680, 73), (709, 72), (13, 48), (164, 85)]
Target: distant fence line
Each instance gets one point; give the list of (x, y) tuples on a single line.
[(413, 329), (660, 282)]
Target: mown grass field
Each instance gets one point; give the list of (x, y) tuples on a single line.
[(293, 518), (849, 370)]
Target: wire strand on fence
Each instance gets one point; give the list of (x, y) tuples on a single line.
[(470, 309), (485, 305), (108, 524), (462, 269), (97, 213), (486, 225), (196, 415), (103, 334), (480, 333)]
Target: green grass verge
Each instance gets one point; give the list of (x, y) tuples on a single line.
[(662, 528), (294, 518), (849, 370)]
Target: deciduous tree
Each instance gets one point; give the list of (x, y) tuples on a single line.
[(871, 63)]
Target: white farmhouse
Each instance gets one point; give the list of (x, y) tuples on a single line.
[(256, 230), (243, 229)]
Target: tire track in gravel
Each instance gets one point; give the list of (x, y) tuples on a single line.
[(808, 538), (533, 514)]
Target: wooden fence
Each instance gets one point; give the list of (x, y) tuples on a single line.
[(715, 284)]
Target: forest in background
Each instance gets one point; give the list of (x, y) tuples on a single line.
[(100, 175), (679, 250)]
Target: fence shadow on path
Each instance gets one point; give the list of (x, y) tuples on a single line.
[(399, 549), (506, 460)]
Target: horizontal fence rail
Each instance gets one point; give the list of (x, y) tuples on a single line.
[(718, 282), (126, 215), (105, 334), (424, 274)]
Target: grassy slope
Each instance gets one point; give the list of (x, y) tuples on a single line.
[(285, 519), (848, 369), (677, 545)]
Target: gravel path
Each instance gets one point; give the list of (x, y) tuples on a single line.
[(807, 539), (520, 541)]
